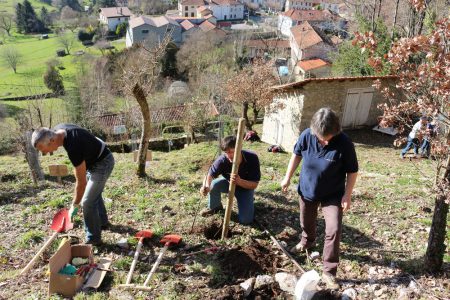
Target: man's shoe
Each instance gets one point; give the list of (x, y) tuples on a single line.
[(299, 248), (210, 211), (106, 226), (330, 281), (402, 156)]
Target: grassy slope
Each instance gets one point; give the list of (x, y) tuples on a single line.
[(8, 6), (386, 230), (36, 53)]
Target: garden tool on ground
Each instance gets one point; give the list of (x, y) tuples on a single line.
[(167, 240), (61, 223), (143, 234)]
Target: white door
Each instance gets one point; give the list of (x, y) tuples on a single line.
[(357, 107)]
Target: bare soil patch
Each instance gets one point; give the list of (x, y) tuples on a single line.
[(249, 261)]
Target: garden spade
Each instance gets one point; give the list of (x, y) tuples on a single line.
[(143, 234), (167, 240), (61, 223)]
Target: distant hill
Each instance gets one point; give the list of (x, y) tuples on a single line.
[(8, 6)]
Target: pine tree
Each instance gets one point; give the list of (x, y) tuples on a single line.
[(45, 17), (20, 18)]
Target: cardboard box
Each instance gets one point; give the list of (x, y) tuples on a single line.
[(66, 285), (58, 170)]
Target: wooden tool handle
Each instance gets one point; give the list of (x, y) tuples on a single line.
[(234, 170), (285, 251), (155, 266), (35, 258), (133, 264)]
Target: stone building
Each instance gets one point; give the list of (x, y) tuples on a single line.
[(354, 99)]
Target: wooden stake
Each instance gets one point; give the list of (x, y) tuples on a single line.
[(234, 170)]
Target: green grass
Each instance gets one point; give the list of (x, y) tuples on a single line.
[(35, 53), (30, 237), (8, 6)]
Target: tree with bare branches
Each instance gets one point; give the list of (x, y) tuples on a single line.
[(422, 64), (251, 88), (6, 22), (141, 67), (66, 40), (11, 57)]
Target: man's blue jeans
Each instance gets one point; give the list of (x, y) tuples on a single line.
[(425, 148), (244, 199), (94, 211), (411, 143)]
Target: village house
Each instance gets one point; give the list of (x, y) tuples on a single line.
[(152, 29), (113, 16), (333, 5), (354, 99), (222, 10), (322, 19), (191, 27), (260, 47), (307, 43), (312, 68)]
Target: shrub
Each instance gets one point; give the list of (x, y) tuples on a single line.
[(53, 80), (121, 29), (85, 36), (61, 52)]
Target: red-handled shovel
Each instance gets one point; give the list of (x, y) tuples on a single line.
[(143, 234), (61, 223), (167, 240)]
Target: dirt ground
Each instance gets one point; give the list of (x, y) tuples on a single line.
[(384, 235)]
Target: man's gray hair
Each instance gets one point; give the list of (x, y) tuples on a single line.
[(325, 122), (42, 135)]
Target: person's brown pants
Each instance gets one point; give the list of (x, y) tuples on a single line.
[(332, 213)]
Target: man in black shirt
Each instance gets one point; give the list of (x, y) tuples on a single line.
[(93, 164)]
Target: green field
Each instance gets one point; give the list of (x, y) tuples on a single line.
[(35, 53), (8, 6), (53, 108)]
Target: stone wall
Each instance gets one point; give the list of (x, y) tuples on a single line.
[(302, 102)]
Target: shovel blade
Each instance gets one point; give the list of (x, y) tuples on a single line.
[(61, 221), (144, 234), (171, 239)]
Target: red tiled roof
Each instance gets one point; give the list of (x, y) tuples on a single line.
[(311, 64), (269, 43), (207, 26), (310, 15), (351, 78), (115, 12), (203, 8), (336, 40), (305, 35), (186, 25), (193, 2)]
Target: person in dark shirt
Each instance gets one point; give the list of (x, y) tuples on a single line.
[(246, 181), (327, 178), (93, 163)]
